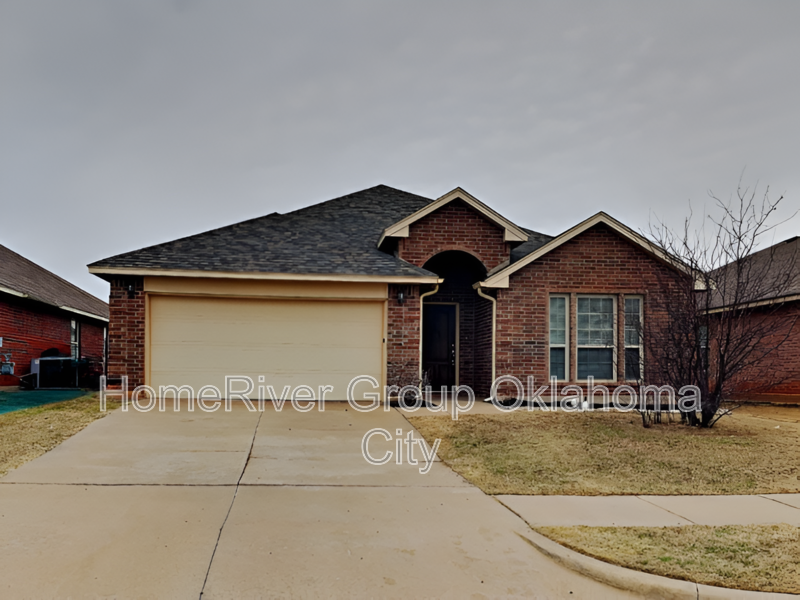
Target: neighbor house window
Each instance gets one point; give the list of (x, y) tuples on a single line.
[(595, 337), (75, 340), (633, 338), (558, 336), (702, 334)]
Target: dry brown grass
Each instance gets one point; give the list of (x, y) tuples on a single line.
[(27, 434), (599, 453), (749, 557)]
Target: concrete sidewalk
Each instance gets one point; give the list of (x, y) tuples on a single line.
[(248, 505), (655, 511)]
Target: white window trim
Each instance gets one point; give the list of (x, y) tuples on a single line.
[(640, 345), (567, 336), (75, 346), (614, 343)]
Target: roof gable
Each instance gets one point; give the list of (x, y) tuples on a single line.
[(500, 279), (511, 232)]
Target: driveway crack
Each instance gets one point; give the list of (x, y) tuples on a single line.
[(230, 508)]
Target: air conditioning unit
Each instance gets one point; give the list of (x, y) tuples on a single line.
[(54, 372)]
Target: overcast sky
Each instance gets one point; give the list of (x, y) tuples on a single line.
[(124, 124)]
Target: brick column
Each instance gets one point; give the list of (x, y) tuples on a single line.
[(402, 344), (126, 330)]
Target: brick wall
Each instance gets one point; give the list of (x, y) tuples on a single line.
[(595, 262), (455, 226), (778, 373), (126, 330), (402, 343), (29, 328), (483, 346), (92, 341)]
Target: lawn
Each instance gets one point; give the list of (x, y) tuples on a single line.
[(603, 453), (752, 557), (27, 434)]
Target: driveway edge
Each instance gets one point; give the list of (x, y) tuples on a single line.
[(645, 584)]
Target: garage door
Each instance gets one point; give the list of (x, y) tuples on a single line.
[(198, 341)]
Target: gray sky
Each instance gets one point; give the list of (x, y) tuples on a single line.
[(124, 124)]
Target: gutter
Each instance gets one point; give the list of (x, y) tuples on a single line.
[(349, 278), (13, 292), (754, 304), (421, 298), (7, 290), (85, 314), (482, 294)]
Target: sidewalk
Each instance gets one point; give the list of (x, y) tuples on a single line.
[(655, 511)]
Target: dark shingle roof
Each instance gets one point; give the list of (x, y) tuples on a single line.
[(535, 241), (339, 236), (19, 274), (768, 274)]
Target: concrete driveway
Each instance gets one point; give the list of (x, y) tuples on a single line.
[(257, 505)]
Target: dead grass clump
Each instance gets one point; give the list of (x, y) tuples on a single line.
[(27, 434), (751, 557), (603, 453)]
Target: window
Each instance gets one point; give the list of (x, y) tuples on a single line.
[(558, 336), (596, 337), (702, 339), (75, 340), (633, 338)]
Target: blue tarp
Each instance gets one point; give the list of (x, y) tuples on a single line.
[(11, 401)]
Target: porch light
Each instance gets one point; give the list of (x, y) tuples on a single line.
[(401, 297)]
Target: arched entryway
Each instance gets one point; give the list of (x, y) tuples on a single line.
[(457, 325)]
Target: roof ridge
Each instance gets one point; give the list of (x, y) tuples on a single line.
[(374, 187)]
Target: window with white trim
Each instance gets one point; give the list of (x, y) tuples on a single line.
[(559, 328), (74, 339), (596, 337), (633, 338)]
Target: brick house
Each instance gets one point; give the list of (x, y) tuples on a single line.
[(390, 285), (772, 307), (42, 313)]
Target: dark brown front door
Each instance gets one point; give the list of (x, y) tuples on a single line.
[(439, 344)]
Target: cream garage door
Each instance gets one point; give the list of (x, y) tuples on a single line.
[(197, 341)]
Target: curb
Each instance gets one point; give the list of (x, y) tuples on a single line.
[(645, 584)]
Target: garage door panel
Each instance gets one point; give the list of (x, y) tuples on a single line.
[(197, 341), (263, 361), (313, 331)]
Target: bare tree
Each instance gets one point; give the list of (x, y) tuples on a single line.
[(720, 328)]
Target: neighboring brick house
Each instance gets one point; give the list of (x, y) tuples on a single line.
[(772, 308), (386, 284), (42, 313)]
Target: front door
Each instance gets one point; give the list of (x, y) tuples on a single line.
[(439, 344)]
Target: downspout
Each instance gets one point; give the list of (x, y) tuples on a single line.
[(494, 325), (421, 297)]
